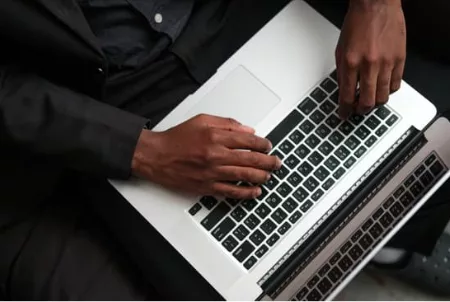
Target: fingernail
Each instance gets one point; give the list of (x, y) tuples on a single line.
[(278, 163), (270, 146), (268, 177), (258, 192)]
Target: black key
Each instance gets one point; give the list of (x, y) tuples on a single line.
[(342, 152), (367, 224), (286, 147), (327, 107), (333, 121), (356, 119), (323, 131), (273, 239), (339, 172), (284, 189), (328, 85), (238, 214), (302, 151), (307, 127), (306, 206), (430, 159), (223, 228), (335, 258), (307, 106), (335, 274), (321, 173), (281, 173), (357, 235), (326, 148), (241, 232), (332, 163), (419, 171), (378, 213), (215, 216), (436, 168), (370, 141), (292, 161), (305, 168), (346, 128), (399, 192), (284, 228), (271, 183), (314, 295), (294, 179), (268, 226), (346, 247), (312, 141), (243, 251), (426, 178), (262, 211), (249, 204), (290, 205), (362, 132), (372, 122), (345, 263), (296, 137), (406, 199), (365, 241), (352, 142), (324, 286), (355, 252), (386, 220), (376, 231), (382, 112), (257, 237), (300, 194), (317, 117), (333, 75), (301, 294), (232, 202), (316, 195), (311, 183), (388, 203), (381, 130), (230, 243), (195, 208), (315, 158), (283, 128), (328, 184), (279, 215), (416, 189), (391, 121), (252, 221), (396, 209), (314, 280), (277, 154), (208, 202), (409, 181), (261, 251), (335, 97), (250, 262), (295, 217), (273, 200), (319, 95), (324, 270), (360, 152), (336, 138)]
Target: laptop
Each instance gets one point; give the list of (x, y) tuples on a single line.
[(345, 188)]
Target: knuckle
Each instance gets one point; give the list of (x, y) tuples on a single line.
[(210, 155), (372, 58), (352, 60), (233, 122)]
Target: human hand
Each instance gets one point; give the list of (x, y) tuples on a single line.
[(204, 156), (372, 51)]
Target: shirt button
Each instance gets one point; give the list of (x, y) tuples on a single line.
[(100, 70), (158, 18)]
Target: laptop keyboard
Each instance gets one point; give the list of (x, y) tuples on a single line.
[(317, 149), (372, 231)]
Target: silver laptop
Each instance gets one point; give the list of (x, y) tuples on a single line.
[(344, 189)]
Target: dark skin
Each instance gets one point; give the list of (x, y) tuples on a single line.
[(206, 154)]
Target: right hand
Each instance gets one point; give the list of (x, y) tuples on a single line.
[(206, 155)]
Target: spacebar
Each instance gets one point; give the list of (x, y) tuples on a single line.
[(283, 128)]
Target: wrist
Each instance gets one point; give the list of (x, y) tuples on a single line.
[(374, 4), (146, 148)]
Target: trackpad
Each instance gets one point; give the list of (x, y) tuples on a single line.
[(240, 96)]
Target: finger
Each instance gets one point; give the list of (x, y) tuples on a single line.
[(368, 88), (348, 75), (251, 175), (245, 141), (383, 85), (235, 192), (251, 160), (228, 124), (397, 75)]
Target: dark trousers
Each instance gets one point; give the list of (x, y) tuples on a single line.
[(86, 242)]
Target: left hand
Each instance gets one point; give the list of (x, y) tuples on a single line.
[(372, 51)]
